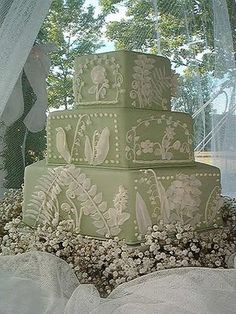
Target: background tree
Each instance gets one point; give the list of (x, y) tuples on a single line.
[(189, 85), (74, 29), (184, 31)]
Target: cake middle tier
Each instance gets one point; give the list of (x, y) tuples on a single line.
[(122, 138)]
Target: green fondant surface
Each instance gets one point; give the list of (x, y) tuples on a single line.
[(122, 161), (123, 79), (121, 202), (119, 137)]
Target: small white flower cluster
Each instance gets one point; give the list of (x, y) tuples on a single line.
[(10, 207), (229, 212), (109, 263)]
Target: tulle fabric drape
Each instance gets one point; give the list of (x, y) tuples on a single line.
[(20, 23), (41, 283), (224, 122), (35, 283), (215, 136)]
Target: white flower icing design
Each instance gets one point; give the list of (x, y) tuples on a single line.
[(101, 83), (184, 196), (147, 146), (98, 74)]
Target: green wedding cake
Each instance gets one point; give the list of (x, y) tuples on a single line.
[(121, 161)]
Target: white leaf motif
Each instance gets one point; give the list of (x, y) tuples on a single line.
[(61, 144), (164, 203), (95, 216), (102, 231), (88, 150), (123, 218), (87, 183), (93, 190), (142, 215), (98, 224), (98, 198), (112, 216), (102, 147), (82, 197), (103, 206)]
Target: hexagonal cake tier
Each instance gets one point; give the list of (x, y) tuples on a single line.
[(123, 203), (123, 79), (123, 138), (121, 161)]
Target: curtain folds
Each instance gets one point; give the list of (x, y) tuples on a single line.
[(41, 283), (224, 121), (20, 21), (210, 70)]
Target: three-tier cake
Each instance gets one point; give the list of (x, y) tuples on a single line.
[(121, 161)]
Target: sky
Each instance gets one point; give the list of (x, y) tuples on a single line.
[(108, 45)]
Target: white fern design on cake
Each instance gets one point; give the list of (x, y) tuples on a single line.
[(44, 205), (82, 197), (149, 83)]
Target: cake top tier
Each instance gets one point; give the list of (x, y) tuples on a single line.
[(123, 79)]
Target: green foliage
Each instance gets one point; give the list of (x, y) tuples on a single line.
[(183, 29), (190, 84), (232, 17), (75, 30), (177, 25)]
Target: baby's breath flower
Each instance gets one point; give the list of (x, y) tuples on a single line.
[(112, 262)]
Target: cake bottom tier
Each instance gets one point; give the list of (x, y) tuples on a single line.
[(109, 202)]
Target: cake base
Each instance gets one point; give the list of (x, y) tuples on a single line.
[(103, 202)]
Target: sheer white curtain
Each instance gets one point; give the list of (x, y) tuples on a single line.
[(215, 144), (224, 123), (20, 21)]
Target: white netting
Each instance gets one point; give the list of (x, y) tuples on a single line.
[(206, 63), (224, 123), (18, 31), (35, 282), (42, 283)]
